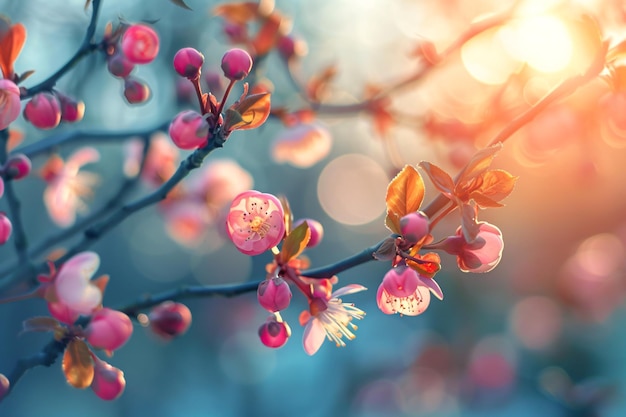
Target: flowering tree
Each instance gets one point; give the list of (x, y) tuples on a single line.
[(526, 88)]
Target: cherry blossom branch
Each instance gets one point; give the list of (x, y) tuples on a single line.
[(86, 48), (95, 232), (46, 357), (19, 236), (114, 202), (50, 143), (564, 89), (474, 29)]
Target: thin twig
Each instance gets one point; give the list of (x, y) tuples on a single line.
[(86, 48)]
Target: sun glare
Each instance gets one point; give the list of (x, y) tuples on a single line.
[(543, 42)]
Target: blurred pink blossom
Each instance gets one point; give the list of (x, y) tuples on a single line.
[(302, 145), (10, 104), (108, 382), (161, 161), (68, 186), (481, 255), (108, 329)]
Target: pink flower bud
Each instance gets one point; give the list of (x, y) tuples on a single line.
[(170, 319), (43, 111), (274, 294), (289, 48), (10, 104), (71, 110), (108, 382), (108, 329), (188, 63), (236, 33), (5, 386), (189, 130), (274, 333), (481, 255), (17, 167), (136, 91), (414, 226), (5, 228), (316, 228), (255, 222), (140, 44), (236, 64), (119, 66)]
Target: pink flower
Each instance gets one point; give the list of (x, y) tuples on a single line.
[(140, 44), (10, 104), (108, 382), (67, 186), (108, 329), (73, 287), (236, 64), (274, 294), (329, 317), (170, 319), (302, 145), (481, 255), (189, 130), (43, 111), (255, 222), (406, 292), (188, 63), (274, 332)]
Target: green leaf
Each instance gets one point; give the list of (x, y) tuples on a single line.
[(295, 242), (181, 3)]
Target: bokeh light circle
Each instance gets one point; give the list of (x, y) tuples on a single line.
[(351, 189)]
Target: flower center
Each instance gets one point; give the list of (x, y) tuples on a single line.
[(260, 226), (317, 305)]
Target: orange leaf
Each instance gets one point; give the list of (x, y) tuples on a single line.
[(250, 113), (78, 364), (268, 35), (484, 202), (295, 242), (475, 167), (440, 178), (405, 194), (237, 13), (10, 47), (317, 87), (496, 184), (288, 214)]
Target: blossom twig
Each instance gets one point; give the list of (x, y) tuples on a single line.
[(50, 143), (85, 49)]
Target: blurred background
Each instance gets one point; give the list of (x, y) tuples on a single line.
[(540, 335)]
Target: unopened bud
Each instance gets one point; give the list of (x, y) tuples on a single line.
[(136, 91), (236, 64), (274, 294), (170, 319), (43, 111), (17, 167), (189, 130), (274, 333), (188, 63)]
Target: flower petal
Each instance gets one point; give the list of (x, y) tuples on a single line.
[(432, 285), (348, 289), (314, 335)]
